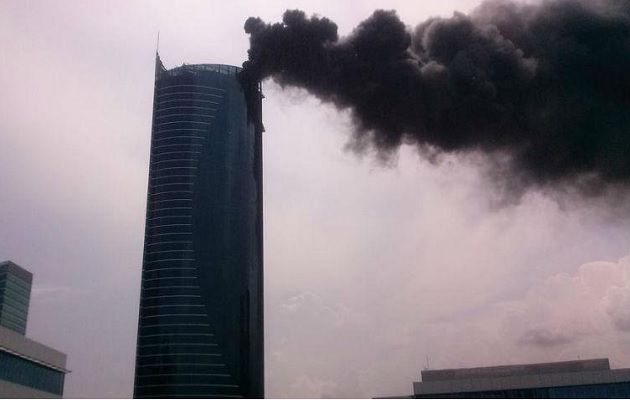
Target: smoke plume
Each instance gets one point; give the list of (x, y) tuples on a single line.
[(542, 90)]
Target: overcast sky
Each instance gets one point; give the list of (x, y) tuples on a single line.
[(371, 273)]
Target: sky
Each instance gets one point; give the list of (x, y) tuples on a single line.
[(372, 272)]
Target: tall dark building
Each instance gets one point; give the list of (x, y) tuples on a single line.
[(200, 329), (15, 295)]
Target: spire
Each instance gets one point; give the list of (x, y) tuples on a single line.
[(159, 67)]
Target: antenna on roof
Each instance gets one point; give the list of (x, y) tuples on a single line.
[(157, 47), (426, 367)]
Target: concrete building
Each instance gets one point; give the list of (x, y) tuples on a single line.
[(570, 379), (28, 369), (200, 328)]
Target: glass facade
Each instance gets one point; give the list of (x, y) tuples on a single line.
[(200, 329), (617, 390), (15, 294), (27, 373)]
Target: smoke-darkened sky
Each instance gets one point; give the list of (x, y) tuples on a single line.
[(542, 89), (370, 268)]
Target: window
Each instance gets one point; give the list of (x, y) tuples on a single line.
[(27, 373)]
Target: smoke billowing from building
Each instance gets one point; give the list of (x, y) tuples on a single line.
[(542, 90)]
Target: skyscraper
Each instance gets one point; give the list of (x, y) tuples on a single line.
[(200, 329)]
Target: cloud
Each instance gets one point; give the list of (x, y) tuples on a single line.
[(544, 337), (580, 308), (616, 298), (322, 347), (618, 307), (51, 291)]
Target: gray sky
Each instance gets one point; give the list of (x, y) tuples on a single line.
[(368, 270)]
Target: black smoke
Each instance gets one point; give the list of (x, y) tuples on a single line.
[(542, 90)]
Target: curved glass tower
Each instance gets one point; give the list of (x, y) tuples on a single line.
[(200, 329)]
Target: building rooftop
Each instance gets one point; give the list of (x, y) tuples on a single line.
[(10, 266), (193, 68), (599, 364), (19, 345), (518, 377)]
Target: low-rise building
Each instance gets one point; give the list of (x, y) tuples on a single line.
[(569, 379), (28, 369)]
